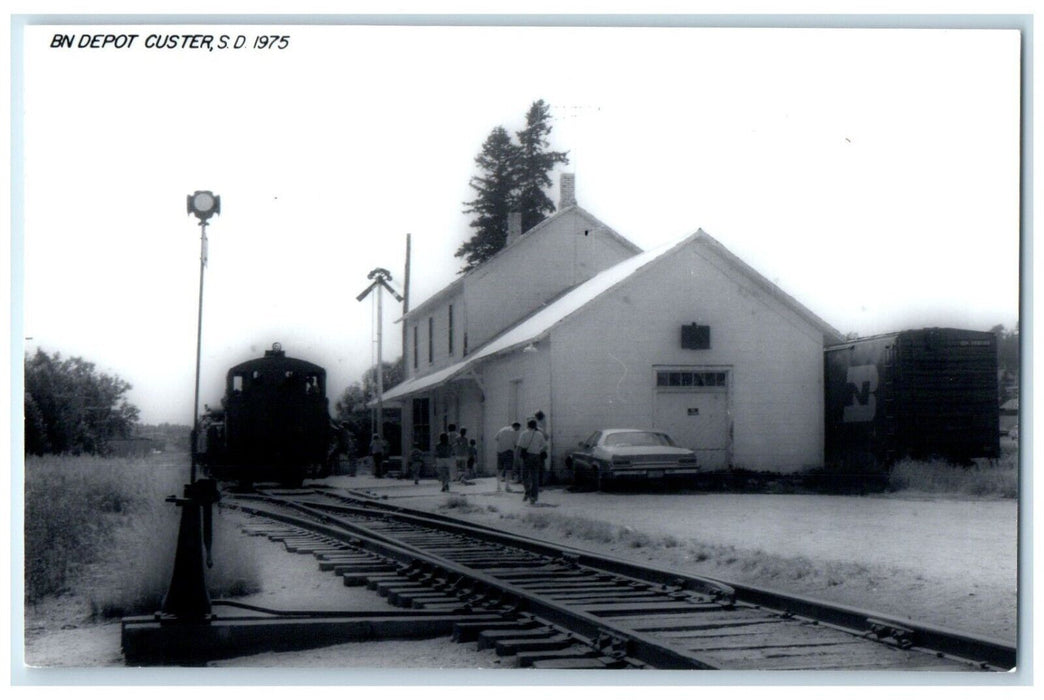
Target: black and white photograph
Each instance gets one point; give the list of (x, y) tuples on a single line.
[(519, 349)]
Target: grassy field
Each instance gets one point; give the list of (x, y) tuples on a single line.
[(101, 528), (988, 478)]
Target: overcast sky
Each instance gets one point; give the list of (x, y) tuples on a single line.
[(872, 174)]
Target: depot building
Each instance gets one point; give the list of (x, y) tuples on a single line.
[(573, 319)]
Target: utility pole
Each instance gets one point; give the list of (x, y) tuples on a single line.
[(380, 278), (406, 297)]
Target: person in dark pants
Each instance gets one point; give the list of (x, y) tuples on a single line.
[(530, 445), (472, 459), (460, 454), (541, 421), (377, 455)]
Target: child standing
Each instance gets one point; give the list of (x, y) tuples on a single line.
[(443, 460)]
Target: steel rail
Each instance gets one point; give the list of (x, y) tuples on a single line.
[(639, 647), (978, 649)]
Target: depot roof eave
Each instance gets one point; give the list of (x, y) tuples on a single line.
[(539, 324)]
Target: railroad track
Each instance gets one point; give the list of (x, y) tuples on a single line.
[(550, 606)]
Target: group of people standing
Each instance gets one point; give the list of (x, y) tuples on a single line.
[(521, 455)]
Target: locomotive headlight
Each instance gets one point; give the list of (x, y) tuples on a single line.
[(204, 204)]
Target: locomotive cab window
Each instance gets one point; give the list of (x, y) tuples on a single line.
[(237, 383)]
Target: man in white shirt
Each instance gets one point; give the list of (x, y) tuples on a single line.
[(530, 444), (505, 440)]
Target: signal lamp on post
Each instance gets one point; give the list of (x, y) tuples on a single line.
[(204, 204), (187, 599)]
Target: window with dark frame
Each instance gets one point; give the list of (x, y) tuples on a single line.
[(450, 320), (431, 339), (421, 425), (686, 379), (415, 333)]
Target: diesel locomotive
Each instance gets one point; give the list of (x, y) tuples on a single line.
[(274, 423)]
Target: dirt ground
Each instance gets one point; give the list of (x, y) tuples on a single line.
[(947, 562)]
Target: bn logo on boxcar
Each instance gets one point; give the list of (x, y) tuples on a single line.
[(861, 405)]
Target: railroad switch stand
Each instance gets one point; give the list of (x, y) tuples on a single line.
[(187, 598)]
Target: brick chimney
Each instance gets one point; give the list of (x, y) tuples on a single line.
[(514, 227), (567, 186)]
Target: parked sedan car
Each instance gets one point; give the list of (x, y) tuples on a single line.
[(620, 453)]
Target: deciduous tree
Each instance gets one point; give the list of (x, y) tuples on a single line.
[(70, 407)]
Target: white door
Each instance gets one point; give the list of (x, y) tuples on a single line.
[(696, 417)]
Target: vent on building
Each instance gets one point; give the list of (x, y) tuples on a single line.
[(695, 337)]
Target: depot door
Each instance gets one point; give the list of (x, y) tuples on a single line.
[(692, 406)]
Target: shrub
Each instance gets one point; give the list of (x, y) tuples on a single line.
[(984, 478), (102, 528)]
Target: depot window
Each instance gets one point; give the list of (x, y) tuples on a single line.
[(450, 323), (415, 347), (690, 379)]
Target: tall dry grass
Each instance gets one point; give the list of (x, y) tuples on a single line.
[(985, 478), (101, 528)]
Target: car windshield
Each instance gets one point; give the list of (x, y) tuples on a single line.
[(638, 439)]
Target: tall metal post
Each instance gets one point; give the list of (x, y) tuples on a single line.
[(380, 368), (405, 297), (380, 278), (199, 346), (187, 599)]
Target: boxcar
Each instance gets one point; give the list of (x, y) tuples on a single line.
[(274, 422), (928, 393)]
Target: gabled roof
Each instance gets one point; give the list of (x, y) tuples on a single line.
[(458, 283), (539, 324), (830, 334)]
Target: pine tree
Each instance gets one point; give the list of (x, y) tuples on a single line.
[(495, 194), (514, 178), (535, 165)]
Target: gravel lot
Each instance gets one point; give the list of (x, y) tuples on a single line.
[(948, 562)]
